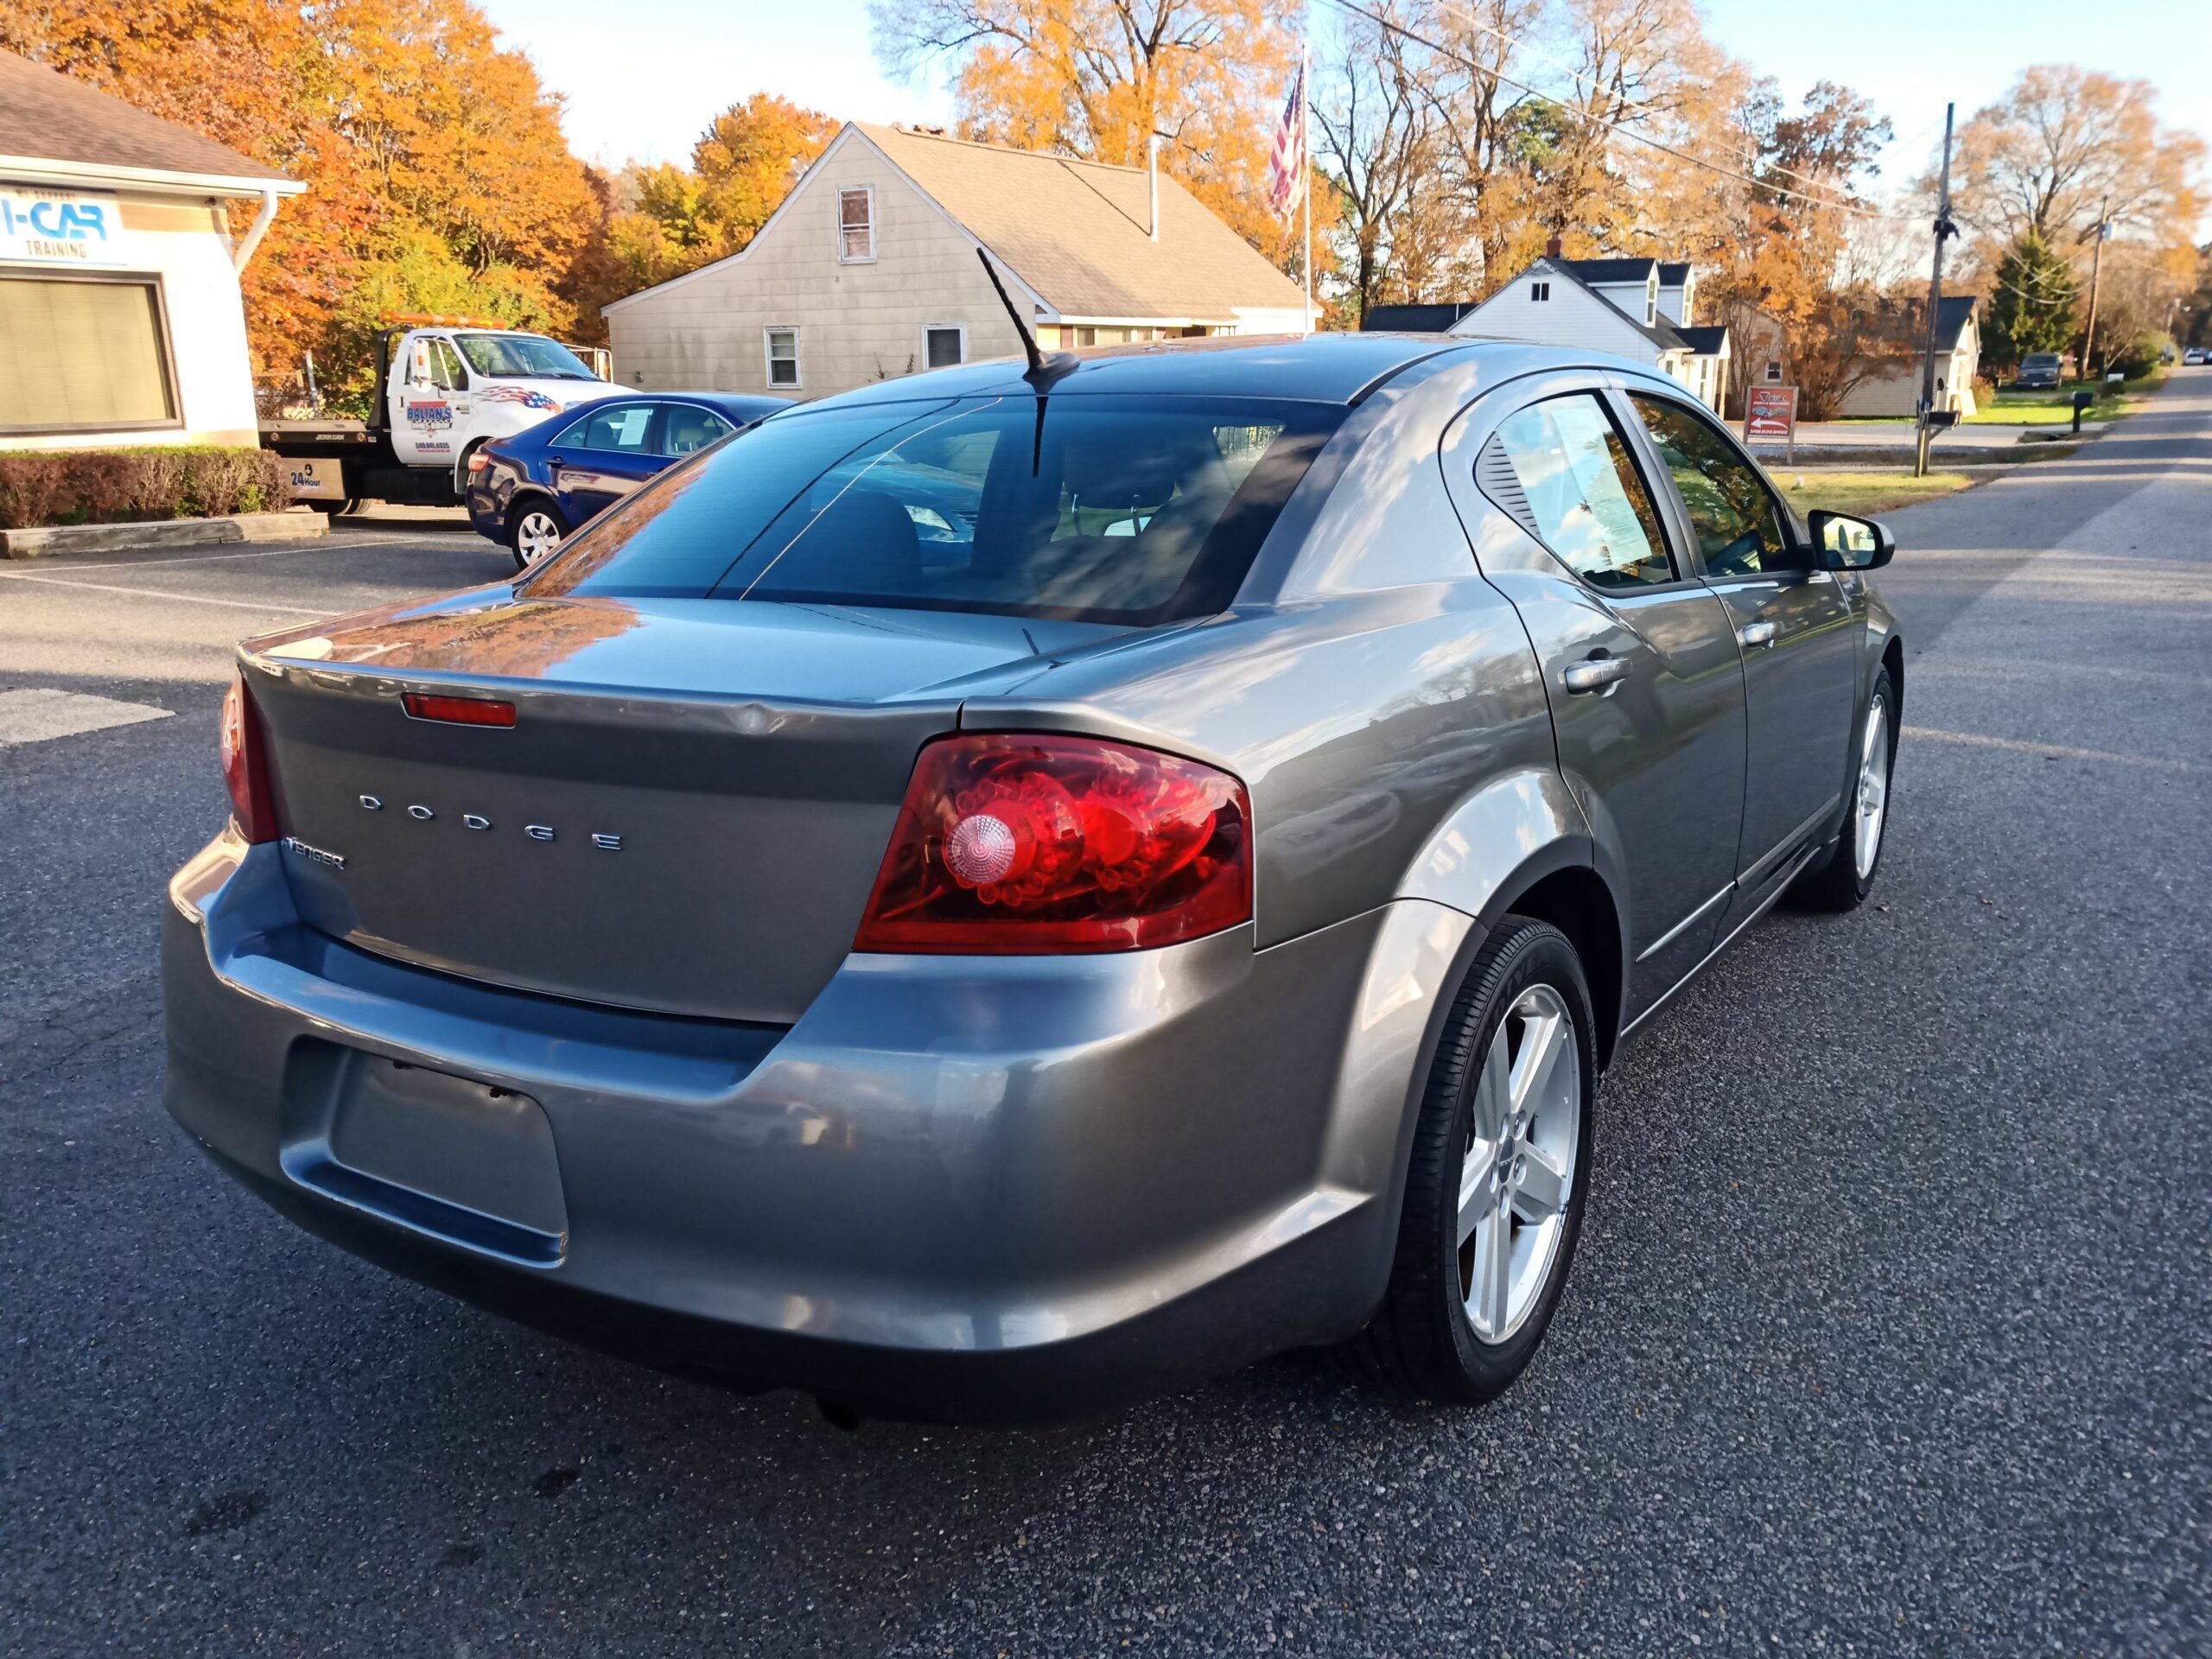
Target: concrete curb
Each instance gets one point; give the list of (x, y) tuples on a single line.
[(1945, 455), (56, 540)]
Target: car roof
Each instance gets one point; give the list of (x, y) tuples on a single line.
[(1333, 368)]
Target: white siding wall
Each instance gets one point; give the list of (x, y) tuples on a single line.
[(1572, 316), (183, 244), (857, 324)]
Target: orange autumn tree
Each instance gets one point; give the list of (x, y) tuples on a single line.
[(438, 176), (668, 220), (1094, 79)]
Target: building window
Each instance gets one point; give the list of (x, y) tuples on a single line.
[(1539, 291), (856, 225), (1085, 335), (945, 345), (1773, 371), (83, 354), (783, 357), (1652, 302)]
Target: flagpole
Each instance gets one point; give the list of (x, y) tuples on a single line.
[(1305, 177)]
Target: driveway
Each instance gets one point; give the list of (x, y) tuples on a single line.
[(1888, 1333)]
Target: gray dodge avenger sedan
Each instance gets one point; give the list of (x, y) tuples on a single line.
[(1005, 892)]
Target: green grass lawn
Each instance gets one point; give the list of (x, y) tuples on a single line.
[(1869, 493)]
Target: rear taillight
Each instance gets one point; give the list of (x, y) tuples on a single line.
[(245, 765), (1020, 844), (478, 460)]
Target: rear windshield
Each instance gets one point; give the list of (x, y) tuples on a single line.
[(2039, 360), (1089, 508)]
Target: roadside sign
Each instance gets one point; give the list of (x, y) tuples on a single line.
[(1770, 414)]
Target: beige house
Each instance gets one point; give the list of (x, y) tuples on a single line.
[(868, 271), (1892, 385), (122, 237)]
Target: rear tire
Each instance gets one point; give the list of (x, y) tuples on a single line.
[(335, 509), (1499, 1173), (535, 531), (1844, 880)]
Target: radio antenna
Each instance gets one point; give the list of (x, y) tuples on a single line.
[(1042, 370)]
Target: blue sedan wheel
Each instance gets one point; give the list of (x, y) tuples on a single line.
[(535, 532)]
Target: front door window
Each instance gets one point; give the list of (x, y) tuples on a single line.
[(1738, 526)]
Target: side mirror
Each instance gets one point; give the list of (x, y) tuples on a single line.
[(1842, 542)]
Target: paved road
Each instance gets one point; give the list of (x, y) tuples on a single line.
[(1889, 1333)]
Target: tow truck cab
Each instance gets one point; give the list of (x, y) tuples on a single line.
[(444, 386)]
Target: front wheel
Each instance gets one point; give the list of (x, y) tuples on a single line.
[(1848, 876), (1499, 1173), (534, 533)]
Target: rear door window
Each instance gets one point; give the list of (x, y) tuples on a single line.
[(1102, 508), (1584, 496), (686, 428)]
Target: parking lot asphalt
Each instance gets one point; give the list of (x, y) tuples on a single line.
[(1890, 1329)]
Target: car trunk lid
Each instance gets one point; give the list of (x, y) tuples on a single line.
[(686, 815)]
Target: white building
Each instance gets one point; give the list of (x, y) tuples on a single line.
[(120, 320), (868, 270), (1643, 309)]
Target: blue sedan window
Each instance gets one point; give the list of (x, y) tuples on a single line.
[(622, 429)]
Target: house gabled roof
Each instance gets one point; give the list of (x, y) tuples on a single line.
[(1708, 340), (1078, 233), (1414, 319), (1952, 315), (1674, 275), (51, 124), (1607, 272)]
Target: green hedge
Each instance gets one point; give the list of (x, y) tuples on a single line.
[(118, 486)]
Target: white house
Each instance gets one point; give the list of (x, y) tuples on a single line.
[(120, 320), (868, 270), (1633, 307)]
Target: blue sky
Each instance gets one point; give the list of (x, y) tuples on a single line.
[(646, 86)]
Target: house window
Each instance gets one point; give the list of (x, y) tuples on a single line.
[(83, 354), (945, 345), (783, 357), (1773, 371), (856, 225), (1086, 336), (1652, 302), (1539, 291)]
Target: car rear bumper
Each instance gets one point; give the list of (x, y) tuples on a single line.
[(963, 1188)]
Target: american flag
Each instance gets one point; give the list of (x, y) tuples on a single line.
[(1286, 166)]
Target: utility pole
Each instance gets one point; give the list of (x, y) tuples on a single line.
[(1942, 228), (2100, 230)]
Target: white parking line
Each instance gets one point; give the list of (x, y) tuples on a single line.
[(38, 715), (2055, 751), (211, 558), (156, 592)]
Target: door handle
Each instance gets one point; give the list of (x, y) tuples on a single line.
[(1595, 673), (1755, 635)]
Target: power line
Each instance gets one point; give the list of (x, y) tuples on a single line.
[(1626, 131), (1583, 80)]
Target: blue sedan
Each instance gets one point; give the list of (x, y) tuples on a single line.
[(530, 490)]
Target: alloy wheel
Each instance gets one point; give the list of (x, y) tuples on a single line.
[(1873, 795), (1524, 1132)]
